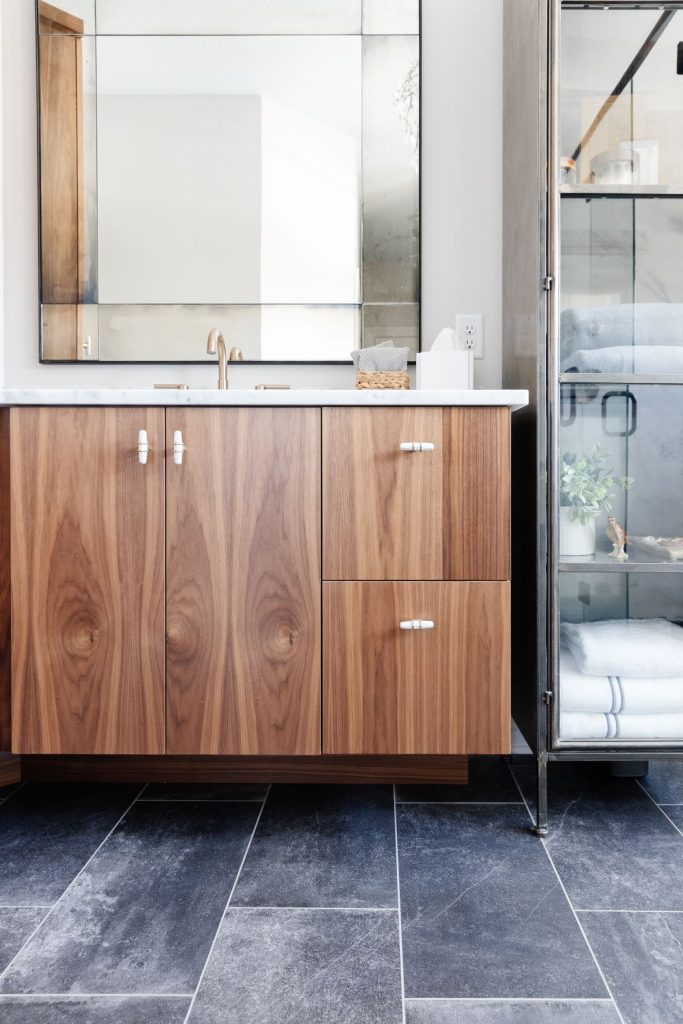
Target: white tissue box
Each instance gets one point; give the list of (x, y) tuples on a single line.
[(440, 371)]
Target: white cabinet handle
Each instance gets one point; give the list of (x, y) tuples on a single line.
[(178, 447), (417, 624), (417, 446), (143, 447)]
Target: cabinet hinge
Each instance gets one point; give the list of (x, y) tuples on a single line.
[(547, 696), (548, 283)]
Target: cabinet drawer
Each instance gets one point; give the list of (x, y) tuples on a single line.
[(441, 513), (393, 690)]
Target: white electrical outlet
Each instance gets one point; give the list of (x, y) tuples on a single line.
[(469, 330)]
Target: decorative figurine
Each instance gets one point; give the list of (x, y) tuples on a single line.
[(617, 534)]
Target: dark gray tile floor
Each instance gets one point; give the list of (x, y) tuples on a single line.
[(182, 905)]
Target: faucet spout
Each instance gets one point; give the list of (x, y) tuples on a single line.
[(216, 344)]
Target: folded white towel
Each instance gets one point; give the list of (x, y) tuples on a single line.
[(640, 323), (615, 694), (633, 648), (626, 359), (585, 726)]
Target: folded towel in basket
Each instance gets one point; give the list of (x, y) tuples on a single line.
[(615, 694), (634, 648), (576, 725)]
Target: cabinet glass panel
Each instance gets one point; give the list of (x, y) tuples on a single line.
[(621, 98), (621, 458), (621, 285), (621, 658)]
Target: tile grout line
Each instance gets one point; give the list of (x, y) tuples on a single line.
[(571, 907), (70, 996), (505, 999), (337, 910), (71, 883), (400, 916), (227, 905), (659, 807), (142, 791)]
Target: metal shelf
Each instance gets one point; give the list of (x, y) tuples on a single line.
[(621, 191)]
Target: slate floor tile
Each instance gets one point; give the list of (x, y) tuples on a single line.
[(641, 956), (203, 791), (16, 924), (93, 1010), (493, 1012), (323, 846), (48, 832), (312, 966), (612, 847), (142, 916), (484, 915), (490, 780), (664, 782)]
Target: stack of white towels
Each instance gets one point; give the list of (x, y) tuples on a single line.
[(621, 679)]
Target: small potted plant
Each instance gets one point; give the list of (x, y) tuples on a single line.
[(587, 488)]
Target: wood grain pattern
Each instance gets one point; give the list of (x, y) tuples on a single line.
[(440, 691), (303, 769), (60, 168), (382, 508), (5, 588), (477, 494), (61, 336), (87, 581), (54, 19), (243, 566)]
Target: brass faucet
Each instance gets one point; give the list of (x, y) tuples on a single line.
[(216, 343)]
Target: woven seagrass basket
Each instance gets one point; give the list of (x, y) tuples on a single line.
[(397, 380)]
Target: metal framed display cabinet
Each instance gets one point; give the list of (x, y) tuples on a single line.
[(593, 327)]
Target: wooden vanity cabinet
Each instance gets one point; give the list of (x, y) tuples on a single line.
[(87, 581), (241, 592)]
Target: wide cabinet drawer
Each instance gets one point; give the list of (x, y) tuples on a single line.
[(416, 494), (416, 668)]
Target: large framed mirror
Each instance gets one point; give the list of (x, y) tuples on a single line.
[(251, 165)]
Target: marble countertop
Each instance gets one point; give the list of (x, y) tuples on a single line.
[(295, 397)]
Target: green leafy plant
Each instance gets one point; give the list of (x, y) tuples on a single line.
[(587, 486)]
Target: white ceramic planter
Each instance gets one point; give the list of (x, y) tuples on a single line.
[(575, 538)]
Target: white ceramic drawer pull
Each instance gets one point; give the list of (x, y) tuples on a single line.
[(417, 446), (143, 447), (178, 447), (417, 624)]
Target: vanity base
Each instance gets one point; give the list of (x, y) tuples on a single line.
[(313, 769)]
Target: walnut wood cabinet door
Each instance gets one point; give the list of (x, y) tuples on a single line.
[(243, 592), (87, 530), (440, 689), (416, 494), (382, 505)]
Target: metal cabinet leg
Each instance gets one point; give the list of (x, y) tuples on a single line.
[(541, 826)]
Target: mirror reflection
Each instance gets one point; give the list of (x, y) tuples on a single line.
[(195, 171)]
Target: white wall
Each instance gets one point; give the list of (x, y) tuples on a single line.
[(462, 202)]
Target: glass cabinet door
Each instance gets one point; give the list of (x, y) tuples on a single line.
[(620, 97), (620, 540)]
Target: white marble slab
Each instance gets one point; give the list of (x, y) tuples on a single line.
[(295, 397)]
